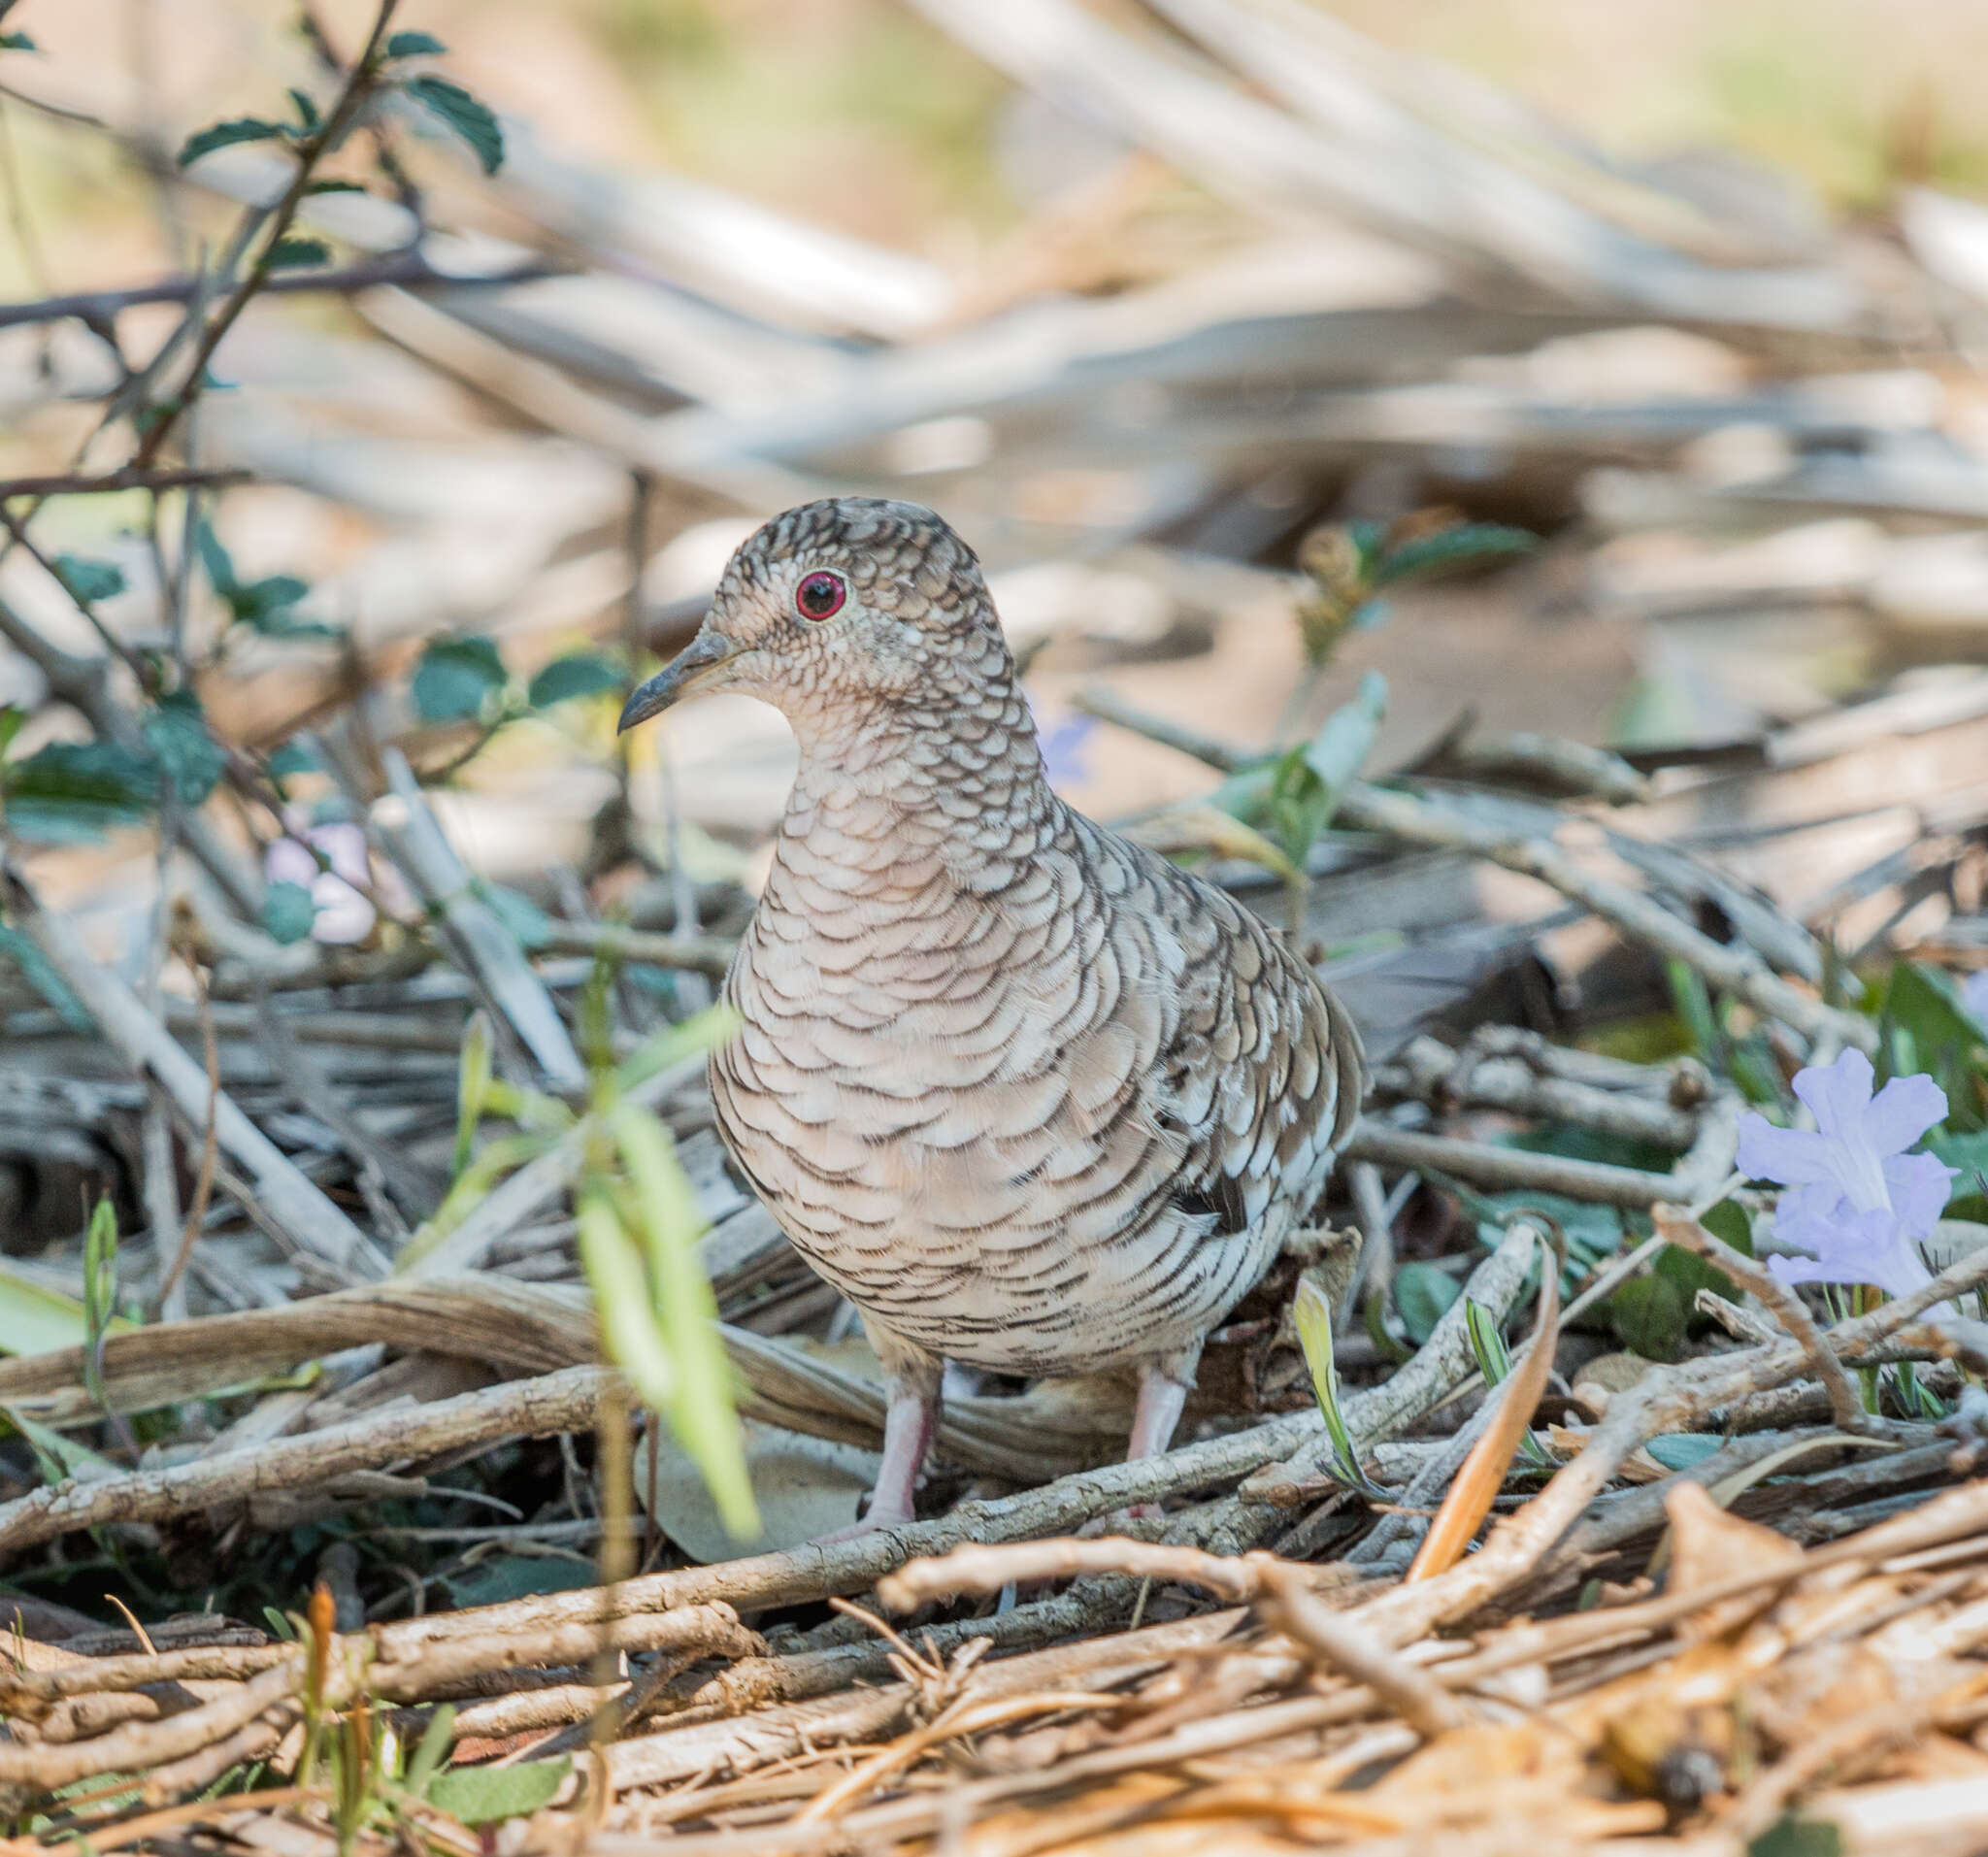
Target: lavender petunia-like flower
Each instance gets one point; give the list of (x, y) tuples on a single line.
[(345, 913), (1858, 1203)]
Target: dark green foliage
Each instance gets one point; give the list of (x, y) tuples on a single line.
[(1467, 544), (297, 254), (186, 752), (266, 606), (71, 792), (1422, 1293), (478, 1795), (1924, 1026), (577, 674), (414, 45), (1306, 781), (223, 135), (288, 911), (455, 109), (89, 581), (456, 679)]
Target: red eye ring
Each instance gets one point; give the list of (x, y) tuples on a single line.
[(820, 595)]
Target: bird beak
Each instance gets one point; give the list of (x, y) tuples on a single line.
[(697, 660)]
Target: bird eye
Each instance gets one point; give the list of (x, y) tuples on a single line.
[(820, 596)]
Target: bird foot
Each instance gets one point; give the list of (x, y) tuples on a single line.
[(866, 1525)]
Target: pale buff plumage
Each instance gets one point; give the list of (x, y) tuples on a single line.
[(1032, 1097)]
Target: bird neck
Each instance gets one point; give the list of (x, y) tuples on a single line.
[(897, 798)]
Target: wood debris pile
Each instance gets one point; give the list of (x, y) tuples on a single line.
[(1680, 1560)]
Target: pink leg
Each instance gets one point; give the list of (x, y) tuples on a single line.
[(909, 1421), (1162, 1396)]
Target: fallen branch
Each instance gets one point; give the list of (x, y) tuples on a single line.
[(304, 1216)]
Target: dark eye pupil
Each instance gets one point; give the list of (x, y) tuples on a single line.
[(819, 595)]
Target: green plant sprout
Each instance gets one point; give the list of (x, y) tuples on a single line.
[(638, 1223)]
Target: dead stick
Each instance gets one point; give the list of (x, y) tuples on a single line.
[(290, 1202), (1675, 1226)]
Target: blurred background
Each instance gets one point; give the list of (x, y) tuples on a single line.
[(1186, 314)]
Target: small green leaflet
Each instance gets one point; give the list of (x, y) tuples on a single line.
[(293, 254), (225, 135), (72, 792), (89, 581), (1422, 1294), (579, 674), (414, 45), (177, 733), (480, 1795), (288, 911), (17, 42), (1312, 1314), (455, 678), (454, 107)]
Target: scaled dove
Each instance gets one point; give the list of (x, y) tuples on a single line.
[(1030, 1096)]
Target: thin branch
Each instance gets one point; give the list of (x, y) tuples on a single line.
[(129, 477), (1676, 1226), (402, 269), (358, 87)]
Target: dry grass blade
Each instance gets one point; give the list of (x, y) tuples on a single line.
[(1483, 1471)]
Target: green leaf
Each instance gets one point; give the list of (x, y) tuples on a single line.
[(177, 733), (1312, 1314), (17, 42), (1467, 544), (529, 925), (1682, 1450), (579, 674), (223, 135), (1730, 1221), (1923, 1004), (1422, 1292), (58, 1457), (453, 106), (1792, 1836), (414, 45), (334, 187), (293, 254), (12, 716), (478, 1795), (1691, 1273), (1649, 1316), (471, 1087), (307, 109), (72, 792), (457, 678), (288, 911), (268, 607), (37, 1320), (215, 559), (674, 1043), (89, 581), (433, 1751), (292, 759), (702, 1413), (1309, 779), (34, 968), (623, 1301)]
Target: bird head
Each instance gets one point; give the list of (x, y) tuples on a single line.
[(837, 607)]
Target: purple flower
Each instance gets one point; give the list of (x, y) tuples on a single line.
[(344, 914), (1858, 1203)]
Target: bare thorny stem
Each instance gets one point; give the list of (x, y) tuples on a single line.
[(359, 84)]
